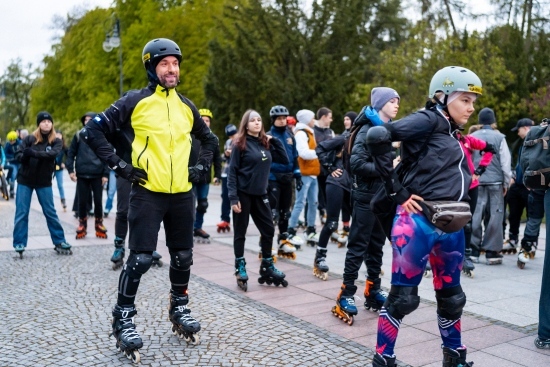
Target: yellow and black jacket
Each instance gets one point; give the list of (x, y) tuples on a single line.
[(153, 128)]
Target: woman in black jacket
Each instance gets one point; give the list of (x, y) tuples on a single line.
[(250, 163), (37, 154)]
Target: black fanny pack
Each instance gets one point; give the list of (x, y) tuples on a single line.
[(448, 216)]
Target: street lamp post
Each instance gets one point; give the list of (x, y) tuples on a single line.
[(113, 40)]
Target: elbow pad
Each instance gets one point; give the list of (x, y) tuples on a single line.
[(379, 140), (490, 148)]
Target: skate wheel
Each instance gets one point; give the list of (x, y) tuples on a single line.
[(293, 256), (531, 255), (284, 283), (521, 265), (194, 339), (261, 281), (174, 331), (135, 357), (269, 282), (350, 321), (325, 276)]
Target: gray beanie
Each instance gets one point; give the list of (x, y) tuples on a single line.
[(305, 116), (380, 96), (486, 116)]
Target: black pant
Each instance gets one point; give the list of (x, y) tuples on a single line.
[(322, 195), (123, 188), (148, 209), (85, 186), (258, 208), (339, 199), (280, 199), (517, 201), (365, 242)]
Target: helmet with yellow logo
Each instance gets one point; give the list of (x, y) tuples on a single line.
[(206, 112), (12, 135), (455, 79)]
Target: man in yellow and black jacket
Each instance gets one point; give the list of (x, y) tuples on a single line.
[(153, 126)]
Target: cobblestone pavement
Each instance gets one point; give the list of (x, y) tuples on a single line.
[(55, 311)]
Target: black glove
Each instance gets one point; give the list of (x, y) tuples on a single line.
[(479, 170), (29, 152), (196, 172), (133, 174), (299, 183)]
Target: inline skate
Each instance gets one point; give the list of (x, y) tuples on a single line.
[(224, 226), (383, 361), (240, 273), (467, 264), (312, 237), (270, 274), (345, 307), (100, 230), (320, 267), (343, 237), (184, 325), (294, 239), (509, 247), (493, 258), (20, 249), (542, 343), (200, 236), (63, 248), (118, 256), (286, 249), (428, 270), (455, 358), (334, 236), (530, 247), (374, 296), (157, 259), (127, 338), (82, 228)]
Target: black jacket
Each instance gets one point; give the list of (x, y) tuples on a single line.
[(249, 169), (330, 153), (37, 170), (442, 173), (82, 159)]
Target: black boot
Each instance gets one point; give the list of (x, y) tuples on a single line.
[(382, 361), (455, 358)]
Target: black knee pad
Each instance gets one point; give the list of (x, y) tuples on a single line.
[(450, 302), (332, 226), (138, 263), (181, 259), (202, 205), (402, 301)]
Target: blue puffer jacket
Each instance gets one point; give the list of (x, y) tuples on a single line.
[(289, 143)]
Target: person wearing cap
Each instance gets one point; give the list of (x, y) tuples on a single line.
[(534, 205), (151, 130), (517, 197), (493, 185), (426, 175), (201, 186), (36, 154), (310, 168), (224, 225), (90, 174)]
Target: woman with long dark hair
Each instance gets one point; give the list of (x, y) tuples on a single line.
[(251, 157), (37, 154)]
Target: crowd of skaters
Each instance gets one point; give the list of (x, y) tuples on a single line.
[(276, 176)]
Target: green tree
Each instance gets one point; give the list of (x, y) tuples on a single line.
[(16, 84)]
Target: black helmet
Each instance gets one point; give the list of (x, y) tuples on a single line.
[(230, 130), (156, 50), (90, 114), (276, 111)]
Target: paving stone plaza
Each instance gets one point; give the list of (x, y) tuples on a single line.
[(55, 310)]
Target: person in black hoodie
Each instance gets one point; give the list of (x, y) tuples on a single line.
[(37, 153), (433, 169), (92, 175), (251, 157)]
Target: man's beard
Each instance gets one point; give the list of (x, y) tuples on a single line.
[(165, 84)]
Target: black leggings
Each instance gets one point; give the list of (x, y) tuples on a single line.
[(123, 188), (280, 199), (256, 206), (84, 186), (339, 199)]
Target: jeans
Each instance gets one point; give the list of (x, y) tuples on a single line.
[(59, 179), (111, 191), (544, 302), (11, 177), (308, 192), (22, 209), (226, 204), (201, 195)]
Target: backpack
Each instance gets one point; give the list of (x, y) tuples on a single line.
[(535, 157)]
